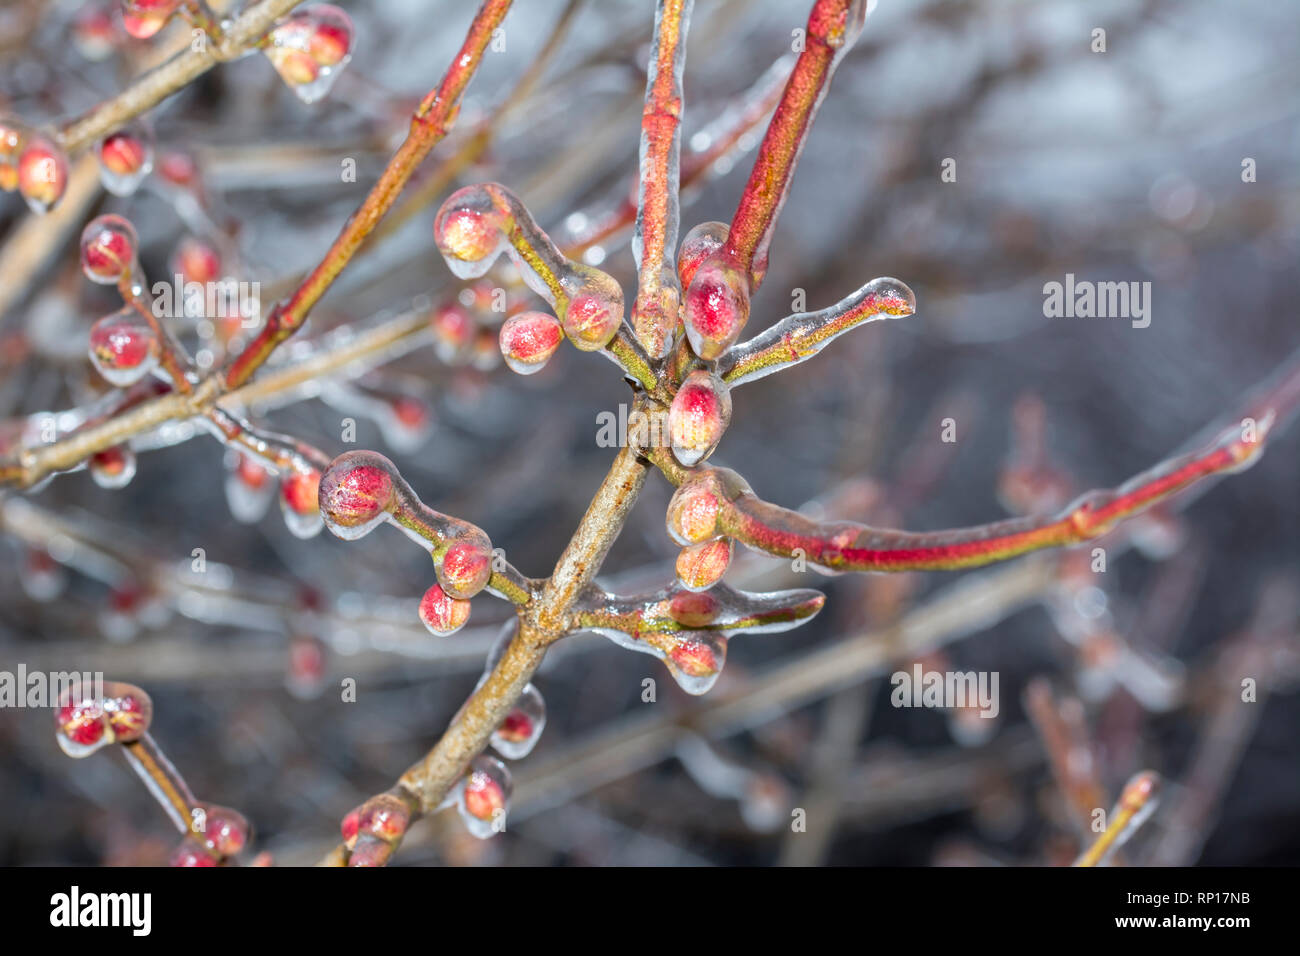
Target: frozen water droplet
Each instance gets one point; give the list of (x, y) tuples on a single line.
[(114, 467), (356, 492), (80, 724), (528, 340), (125, 158), (42, 578), (483, 798), (407, 424), (523, 726), (700, 413), (249, 489), (299, 502), (108, 249), (42, 173), (144, 18), (697, 660), (123, 348), (306, 671), (310, 48), (301, 525), (442, 614)]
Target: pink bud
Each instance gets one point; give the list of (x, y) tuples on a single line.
[(693, 512), (466, 566), (700, 243), (469, 229), (310, 47), (528, 340), (42, 173), (144, 18), (700, 566), (700, 413), (441, 614), (697, 660), (125, 159), (123, 348), (595, 312), (356, 492), (196, 261), (716, 308), (108, 249)]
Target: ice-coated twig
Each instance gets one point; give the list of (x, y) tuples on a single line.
[(715, 501), (655, 313), (361, 490), (90, 717), (432, 119), (733, 261), (478, 224), (1136, 803), (688, 630), (799, 337)]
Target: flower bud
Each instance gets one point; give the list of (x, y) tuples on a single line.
[(309, 49), (356, 493), (483, 798), (108, 249), (441, 614), (523, 726), (716, 308), (528, 340), (700, 413), (125, 159), (144, 18), (697, 660), (693, 512), (42, 173), (700, 243), (466, 566), (700, 566), (123, 348)]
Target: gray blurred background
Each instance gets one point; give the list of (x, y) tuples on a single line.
[(1117, 166)]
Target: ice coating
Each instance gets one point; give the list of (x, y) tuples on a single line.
[(356, 493), (125, 158), (362, 489), (700, 243), (123, 348), (88, 718), (700, 413), (523, 726), (299, 500), (716, 306), (114, 467), (42, 173), (310, 48), (249, 488), (442, 614), (478, 223), (483, 797), (799, 337), (144, 18), (700, 566), (688, 630), (655, 312), (528, 340), (108, 249), (716, 501)]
